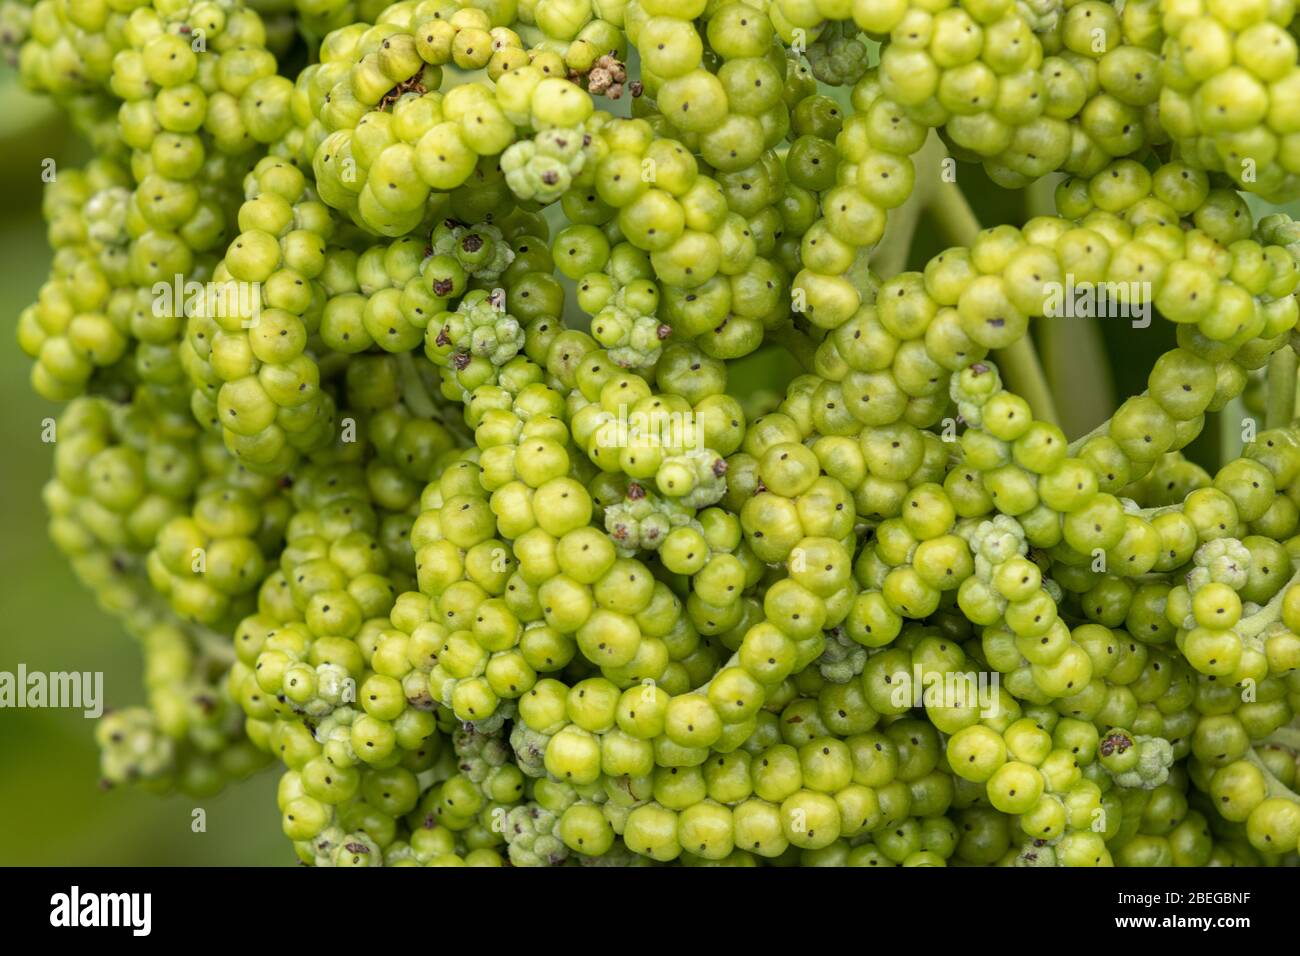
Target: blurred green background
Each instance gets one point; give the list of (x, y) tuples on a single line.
[(52, 809)]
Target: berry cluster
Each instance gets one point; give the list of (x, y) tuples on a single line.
[(399, 427)]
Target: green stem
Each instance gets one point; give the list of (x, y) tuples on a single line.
[(1148, 513), (895, 246), (1021, 369), (861, 276), (1230, 444), (1280, 409), (413, 391), (1074, 360), (1231, 420), (952, 214), (732, 661), (1102, 429), (214, 645), (1023, 374), (1073, 352), (1272, 786), (1040, 196), (797, 343), (1288, 737), (1270, 613)]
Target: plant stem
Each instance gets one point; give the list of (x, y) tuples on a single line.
[(895, 246), (1288, 737), (1101, 429), (1280, 409), (1272, 786), (1231, 421), (953, 215), (1019, 363), (795, 342), (413, 391), (862, 276), (732, 661), (1040, 196), (1023, 374), (1271, 612), (1073, 351), (1074, 361), (216, 646)]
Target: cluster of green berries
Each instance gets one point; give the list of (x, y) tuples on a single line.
[(424, 480), (1228, 71), (124, 475), (544, 167)]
